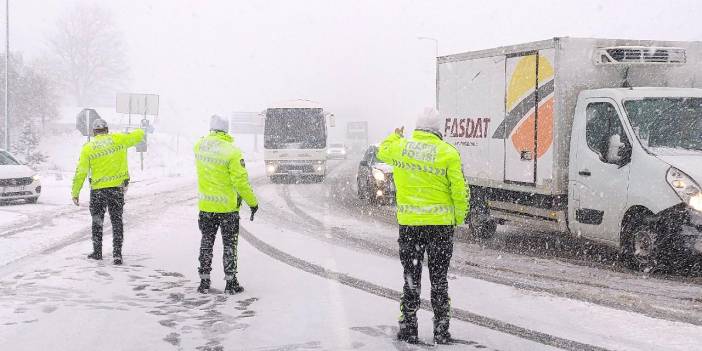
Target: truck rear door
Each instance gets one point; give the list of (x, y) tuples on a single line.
[(528, 123)]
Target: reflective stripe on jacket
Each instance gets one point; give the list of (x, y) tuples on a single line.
[(105, 158), (429, 179), (221, 175)]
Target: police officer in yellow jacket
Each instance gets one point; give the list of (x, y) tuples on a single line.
[(432, 199), (223, 183), (105, 159)]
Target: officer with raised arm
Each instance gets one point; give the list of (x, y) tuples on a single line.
[(105, 159), (432, 199)]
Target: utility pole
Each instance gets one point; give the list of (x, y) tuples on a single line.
[(436, 57), (7, 75)]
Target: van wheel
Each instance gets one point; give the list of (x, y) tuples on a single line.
[(361, 192), (640, 251), (481, 224), (482, 228)]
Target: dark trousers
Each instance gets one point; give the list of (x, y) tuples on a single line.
[(112, 200), (437, 241), (209, 223)]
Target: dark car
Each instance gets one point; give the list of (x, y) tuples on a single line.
[(374, 178)]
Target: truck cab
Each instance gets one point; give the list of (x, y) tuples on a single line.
[(635, 169), (596, 138)]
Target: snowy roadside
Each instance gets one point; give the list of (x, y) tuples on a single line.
[(571, 319), (150, 303)]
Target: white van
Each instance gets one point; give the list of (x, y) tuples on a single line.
[(598, 138), (17, 181)]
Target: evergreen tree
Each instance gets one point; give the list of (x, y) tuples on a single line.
[(27, 144)]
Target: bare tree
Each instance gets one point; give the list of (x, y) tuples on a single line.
[(33, 103), (89, 52)]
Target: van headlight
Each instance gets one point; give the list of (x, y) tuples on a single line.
[(36, 177), (378, 175), (685, 187)]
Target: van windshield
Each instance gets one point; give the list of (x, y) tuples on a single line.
[(7, 160), (667, 124)]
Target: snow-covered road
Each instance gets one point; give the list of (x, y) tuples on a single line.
[(320, 273)]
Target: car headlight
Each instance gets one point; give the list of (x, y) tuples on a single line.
[(36, 177), (378, 175), (696, 202), (271, 168), (685, 187)]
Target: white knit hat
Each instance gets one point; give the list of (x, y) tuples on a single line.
[(219, 123), (429, 120), (99, 124)]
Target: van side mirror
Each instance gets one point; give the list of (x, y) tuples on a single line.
[(617, 151)]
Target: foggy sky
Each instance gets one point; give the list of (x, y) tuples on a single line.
[(361, 59)]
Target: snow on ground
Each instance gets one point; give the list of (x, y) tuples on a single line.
[(150, 303), (310, 282)]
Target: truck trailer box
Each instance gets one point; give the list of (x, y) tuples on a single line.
[(509, 110), (598, 138)]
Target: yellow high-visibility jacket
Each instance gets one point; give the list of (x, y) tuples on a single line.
[(429, 179), (221, 175), (105, 157)]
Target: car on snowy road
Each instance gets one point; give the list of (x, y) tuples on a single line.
[(374, 178), (17, 180), (336, 152)]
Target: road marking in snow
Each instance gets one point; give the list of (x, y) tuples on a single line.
[(460, 314)]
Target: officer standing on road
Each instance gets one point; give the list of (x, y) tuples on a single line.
[(105, 159), (222, 184), (431, 200)]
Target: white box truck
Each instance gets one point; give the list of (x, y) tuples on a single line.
[(295, 140), (598, 138)]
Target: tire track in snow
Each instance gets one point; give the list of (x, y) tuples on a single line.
[(46, 220), (457, 313), (141, 210), (479, 271)]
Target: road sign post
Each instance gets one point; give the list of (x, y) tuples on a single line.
[(139, 104)]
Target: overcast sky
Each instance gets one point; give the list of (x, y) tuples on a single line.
[(361, 59)]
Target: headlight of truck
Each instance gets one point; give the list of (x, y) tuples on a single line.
[(378, 175), (36, 177), (685, 187)]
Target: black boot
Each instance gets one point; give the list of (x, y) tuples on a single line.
[(95, 256), (204, 287), (233, 287), (408, 332), (441, 333), (118, 260)]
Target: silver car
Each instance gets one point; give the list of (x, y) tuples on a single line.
[(17, 181), (336, 151)]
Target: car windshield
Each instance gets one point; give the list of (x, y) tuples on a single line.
[(667, 125), (7, 160)]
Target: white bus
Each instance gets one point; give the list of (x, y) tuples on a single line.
[(295, 141)]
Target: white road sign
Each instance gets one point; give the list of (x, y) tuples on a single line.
[(137, 104)]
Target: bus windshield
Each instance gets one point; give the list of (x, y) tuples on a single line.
[(295, 128)]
